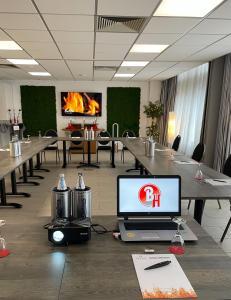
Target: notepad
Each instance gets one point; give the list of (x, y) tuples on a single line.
[(166, 282), (218, 183)]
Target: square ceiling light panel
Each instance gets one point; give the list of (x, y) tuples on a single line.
[(9, 45), (39, 74), (183, 8), (148, 48), (134, 63), (22, 61)]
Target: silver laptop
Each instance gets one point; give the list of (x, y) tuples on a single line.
[(146, 205)]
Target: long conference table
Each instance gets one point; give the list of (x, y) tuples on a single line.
[(8, 165)]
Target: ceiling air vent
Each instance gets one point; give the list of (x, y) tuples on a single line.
[(8, 66), (105, 68), (119, 24)]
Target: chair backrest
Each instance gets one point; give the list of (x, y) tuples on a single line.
[(227, 167), (51, 132), (76, 133), (128, 132), (198, 152), (176, 143), (104, 133)]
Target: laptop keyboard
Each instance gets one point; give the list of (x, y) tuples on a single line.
[(151, 225)]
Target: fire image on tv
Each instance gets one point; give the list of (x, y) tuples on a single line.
[(81, 104)]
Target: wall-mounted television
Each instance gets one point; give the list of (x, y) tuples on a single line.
[(81, 104)]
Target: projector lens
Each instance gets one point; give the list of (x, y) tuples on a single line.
[(58, 236)]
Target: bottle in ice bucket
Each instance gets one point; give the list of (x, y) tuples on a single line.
[(80, 182), (61, 184)]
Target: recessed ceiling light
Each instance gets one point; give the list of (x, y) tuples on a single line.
[(134, 63), (39, 73), (9, 45), (148, 48), (22, 61), (123, 75), (189, 8)]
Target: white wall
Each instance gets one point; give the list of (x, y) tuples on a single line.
[(10, 97)]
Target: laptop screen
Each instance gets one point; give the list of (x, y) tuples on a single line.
[(148, 195)]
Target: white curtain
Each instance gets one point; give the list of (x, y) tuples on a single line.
[(189, 106)]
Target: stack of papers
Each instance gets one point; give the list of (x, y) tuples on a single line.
[(166, 282), (218, 182), (1, 149), (160, 150), (185, 162)]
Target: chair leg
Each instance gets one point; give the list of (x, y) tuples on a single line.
[(219, 203), (226, 229), (97, 156), (189, 203), (58, 156)]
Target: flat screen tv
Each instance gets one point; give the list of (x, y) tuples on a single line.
[(81, 104)]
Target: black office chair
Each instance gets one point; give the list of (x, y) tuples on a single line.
[(227, 171), (53, 146), (76, 145), (176, 143), (126, 133), (103, 145)]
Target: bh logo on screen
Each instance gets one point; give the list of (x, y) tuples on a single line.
[(149, 195)]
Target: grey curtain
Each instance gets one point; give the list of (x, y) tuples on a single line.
[(223, 139), (167, 98)]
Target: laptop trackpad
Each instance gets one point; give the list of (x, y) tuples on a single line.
[(148, 236)]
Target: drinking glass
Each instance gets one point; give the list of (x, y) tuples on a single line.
[(177, 243), (28, 137), (3, 251), (199, 174), (172, 155)]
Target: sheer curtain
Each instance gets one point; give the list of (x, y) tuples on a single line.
[(189, 106)]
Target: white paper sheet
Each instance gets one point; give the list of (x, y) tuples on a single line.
[(218, 183), (3, 150), (185, 162), (162, 150), (166, 282)]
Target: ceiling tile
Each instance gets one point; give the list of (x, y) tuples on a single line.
[(103, 75), (155, 38), (126, 8), (76, 51), (141, 56), (30, 35), (57, 68), (177, 53), (21, 21), (73, 7), (222, 12), (13, 54), (32, 68), (108, 63), (41, 50), (16, 74), (82, 70), (17, 6), (70, 22), (199, 39), (115, 38), (110, 52), (170, 25), (73, 36), (212, 26), (4, 36)]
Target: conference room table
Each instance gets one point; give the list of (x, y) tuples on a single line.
[(9, 164), (163, 164), (89, 141)]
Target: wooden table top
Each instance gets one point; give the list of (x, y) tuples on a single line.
[(161, 164), (104, 268), (9, 164)]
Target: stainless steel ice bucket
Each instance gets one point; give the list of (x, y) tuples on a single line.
[(81, 203), (61, 204)]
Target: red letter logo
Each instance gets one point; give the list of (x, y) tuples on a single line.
[(149, 195)]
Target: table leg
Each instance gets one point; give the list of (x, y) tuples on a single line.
[(89, 164), (3, 202), (137, 167), (14, 187), (113, 154), (198, 210), (25, 178), (31, 171), (141, 170), (38, 164), (64, 154)]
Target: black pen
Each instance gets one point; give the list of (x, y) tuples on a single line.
[(219, 180), (159, 265)]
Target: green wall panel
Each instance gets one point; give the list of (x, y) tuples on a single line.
[(123, 107), (38, 108)]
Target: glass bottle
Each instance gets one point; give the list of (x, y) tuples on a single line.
[(80, 182), (39, 134), (61, 183)]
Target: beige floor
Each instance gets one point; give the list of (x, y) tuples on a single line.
[(103, 184)]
